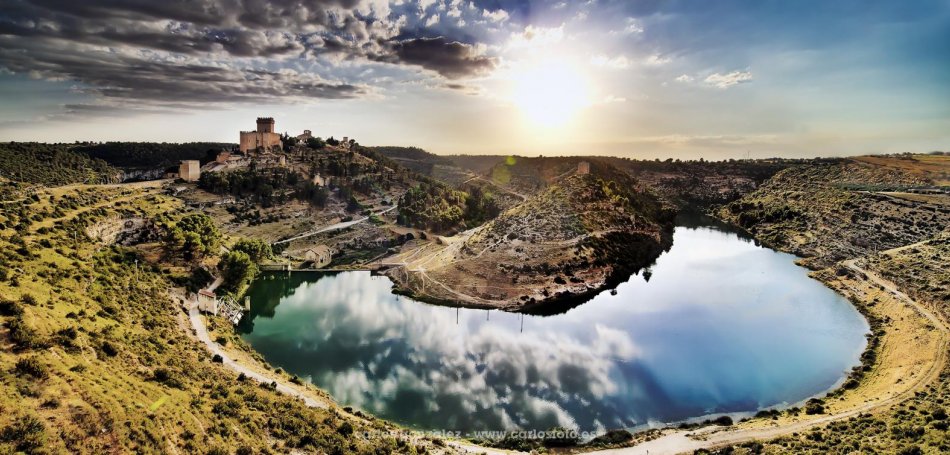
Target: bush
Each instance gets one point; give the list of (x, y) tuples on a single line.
[(814, 406), (10, 308), (167, 377), (217, 358), (28, 433), (31, 366), (22, 335), (723, 421), (109, 349), (345, 429), (611, 437), (561, 437)]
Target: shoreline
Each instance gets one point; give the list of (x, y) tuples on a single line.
[(869, 395)]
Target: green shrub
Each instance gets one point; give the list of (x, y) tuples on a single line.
[(611, 437), (27, 433), (814, 406), (31, 366), (22, 335)]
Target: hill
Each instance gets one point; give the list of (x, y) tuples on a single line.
[(52, 165), (425, 163), (830, 211), (876, 228), (576, 237), (97, 355)]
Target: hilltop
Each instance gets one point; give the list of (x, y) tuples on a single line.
[(581, 234)]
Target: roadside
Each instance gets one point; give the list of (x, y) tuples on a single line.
[(201, 332)]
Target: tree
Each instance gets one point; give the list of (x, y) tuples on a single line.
[(315, 143), (256, 249), (238, 269), (194, 236)]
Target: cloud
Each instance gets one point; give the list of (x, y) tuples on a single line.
[(631, 27), (533, 36), (657, 60), (684, 78), (618, 62), (450, 59), (221, 51), (148, 77), (724, 81), (499, 15)]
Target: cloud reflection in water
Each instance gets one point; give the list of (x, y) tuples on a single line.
[(722, 325)]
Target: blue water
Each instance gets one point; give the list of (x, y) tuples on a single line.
[(721, 326)]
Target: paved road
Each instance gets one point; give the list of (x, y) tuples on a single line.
[(334, 227)]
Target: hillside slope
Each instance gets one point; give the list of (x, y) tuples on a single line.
[(52, 164), (849, 208), (96, 356), (574, 238)]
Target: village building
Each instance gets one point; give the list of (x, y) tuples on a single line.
[(319, 256), (583, 168), (306, 135), (207, 301), (189, 170), (264, 138), (223, 157)]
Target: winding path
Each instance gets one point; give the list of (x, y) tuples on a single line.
[(201, 331), (333, 227)]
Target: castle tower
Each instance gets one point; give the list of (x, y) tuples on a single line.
[(583, 168), (189, 170), (263, 139), (265, 124)]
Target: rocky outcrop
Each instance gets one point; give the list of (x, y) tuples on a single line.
[(580, 235)]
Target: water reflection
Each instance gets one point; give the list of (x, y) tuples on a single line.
[(722, 326)]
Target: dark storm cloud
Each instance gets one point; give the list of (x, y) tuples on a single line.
[(451, 59), (119, 76), (176, 51)]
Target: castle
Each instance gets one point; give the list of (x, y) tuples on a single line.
[(263, 139)]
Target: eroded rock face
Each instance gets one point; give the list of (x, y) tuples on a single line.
[(120, 230), (576, 237)]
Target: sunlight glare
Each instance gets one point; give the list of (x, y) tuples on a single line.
[(550, 92)]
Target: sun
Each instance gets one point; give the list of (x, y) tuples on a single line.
[(549, 92)]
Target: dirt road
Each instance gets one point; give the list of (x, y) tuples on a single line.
[(334, 227)]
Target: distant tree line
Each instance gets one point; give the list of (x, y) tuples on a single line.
[(151, 155), (52, 164)]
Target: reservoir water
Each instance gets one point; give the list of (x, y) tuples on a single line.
[(717, 325)]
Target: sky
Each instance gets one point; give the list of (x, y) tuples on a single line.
[(640, 79)]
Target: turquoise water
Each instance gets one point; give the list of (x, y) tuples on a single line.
[(721, 326)]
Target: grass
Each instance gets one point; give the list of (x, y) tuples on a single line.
[(95, 356)]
